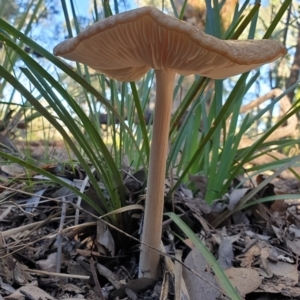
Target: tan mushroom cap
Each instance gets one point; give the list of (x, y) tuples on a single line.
[(127, 45)]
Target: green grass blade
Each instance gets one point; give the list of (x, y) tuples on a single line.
[(141, 119), (222, 278), (207, 138), (283, 8), (246, 21)]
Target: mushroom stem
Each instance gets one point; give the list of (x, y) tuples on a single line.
[(152, 228)]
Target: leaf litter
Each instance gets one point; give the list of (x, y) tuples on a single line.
[(48, 251)]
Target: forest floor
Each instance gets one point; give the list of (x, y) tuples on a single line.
[(53, 247)]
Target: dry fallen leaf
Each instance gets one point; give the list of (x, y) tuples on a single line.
[(225, 252), (197, 286), (246, 280), (35, 293), (13, 169), (294, 246), (33, 202), (138, 285), (48, 264), (235, 196), (246, 259), (104, 238), (288, 272)]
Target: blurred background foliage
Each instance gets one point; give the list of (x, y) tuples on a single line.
[(256, 128)]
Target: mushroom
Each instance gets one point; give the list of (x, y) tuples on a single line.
[(126, 46)]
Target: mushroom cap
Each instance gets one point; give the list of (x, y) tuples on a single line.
[(125, 46)]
